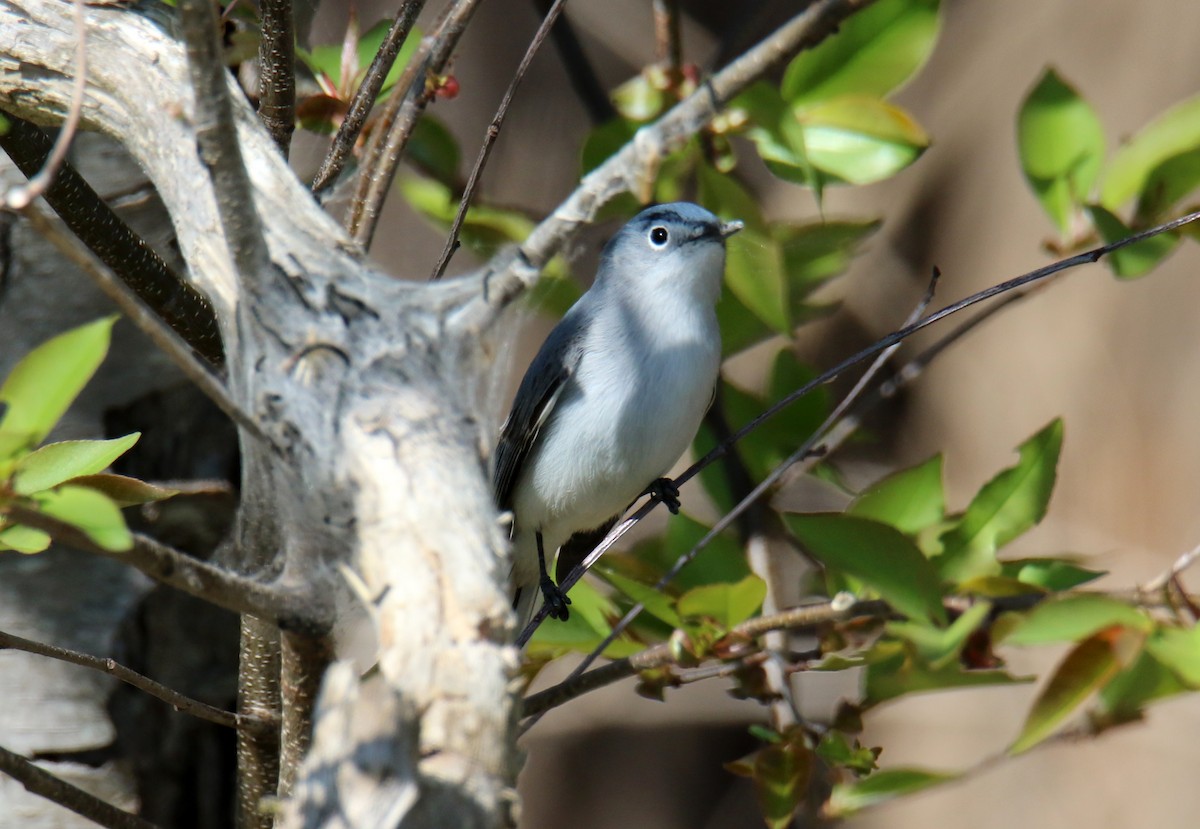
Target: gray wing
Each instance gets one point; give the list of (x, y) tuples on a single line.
[(539, 391)]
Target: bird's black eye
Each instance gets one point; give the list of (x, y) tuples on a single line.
[(659, 236)]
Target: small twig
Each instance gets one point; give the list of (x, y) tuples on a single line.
[(277, 71), (176, 700), (216, 138), (580, 72), (364, 99), (1163, 579), (169, 342), (19, 198), (668, 44), (807, 617), (493, 132), (288, 609), (170, 296), (399, 117), (38, 781)]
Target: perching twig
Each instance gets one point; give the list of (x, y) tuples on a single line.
[(216, 138), (147, 322), (44, 784), (307, 612), (277, 71), (364, 99), (111, 667), (1166, 577), (21, 197), (493, 132), (171, 297), (399, 117)]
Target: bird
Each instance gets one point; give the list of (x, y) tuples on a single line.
[(616, 393)]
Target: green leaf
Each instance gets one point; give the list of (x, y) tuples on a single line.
[(1136, 259), (872, 53), (884, 785), (1084, 671), (432, 148), (1169, 182), (815, 253), (860, 140), (657, 604), (126, 492), (908, 500), (1006, 506), (893, 670), (55, 463), (940, 647), (1061, 145), (1074, 618), (90, 512), (639, 99), (23, 539), (728, 604), (880, 555), (586, 628), (1050, 574), (740, 327), (1179, 650), (1146, 680), (604, 141), (484, 230), (46, 381), (839, 750), (780, 771), (1174, 132)]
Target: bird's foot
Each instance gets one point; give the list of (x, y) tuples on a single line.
[(664, 490), (556, 600)]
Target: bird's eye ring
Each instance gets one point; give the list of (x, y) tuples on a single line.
[(659, 236)]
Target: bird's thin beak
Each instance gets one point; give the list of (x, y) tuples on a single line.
[(730, 228)]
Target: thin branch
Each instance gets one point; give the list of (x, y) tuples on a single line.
[(216, 137), (805, 618), (580, 72), (277, 71), (176, 700), (166, 339), (291, 610), (493, 132), (21, 197), (1170, 574), (38, 781), (399, 117), (668, 43), (364, 99), (171, 297)]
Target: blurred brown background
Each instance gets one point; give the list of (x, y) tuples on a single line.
[(1117, 360)]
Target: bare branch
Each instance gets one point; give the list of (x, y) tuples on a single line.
[(173, 299), (668, 43), (580, 72), (176, 700), (398, 118), (493, 132), (290, 610), (277, 71), (1166, 577), (147, 322), (39, 183), (364, 98), (216, 137), (44, 784)]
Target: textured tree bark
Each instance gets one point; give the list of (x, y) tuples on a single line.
[(367, 391)]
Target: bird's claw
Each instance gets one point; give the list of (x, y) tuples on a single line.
[(556, 600), (664, 490)]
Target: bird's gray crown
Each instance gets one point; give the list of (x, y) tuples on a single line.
[(666, 229)]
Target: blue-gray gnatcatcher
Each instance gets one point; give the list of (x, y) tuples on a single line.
[(616, 393)]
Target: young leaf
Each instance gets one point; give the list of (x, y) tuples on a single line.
[(1136, 259), (1050, 574), (1087, 668), (126, 492), (873, 53), (728, 604), (1174, 132), (908, 500), (1143, 682), (815, 253), (1074, 618), (23, 539), (939, 647), (47, 380), (882, 786), (1061, 144), (657, 604), (780, 771), (860, 140), (878, 554), (893, 671), (1179, 650), (90, 512), (1170, 181), (55, 463), (1006, 506), (586, 628)]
